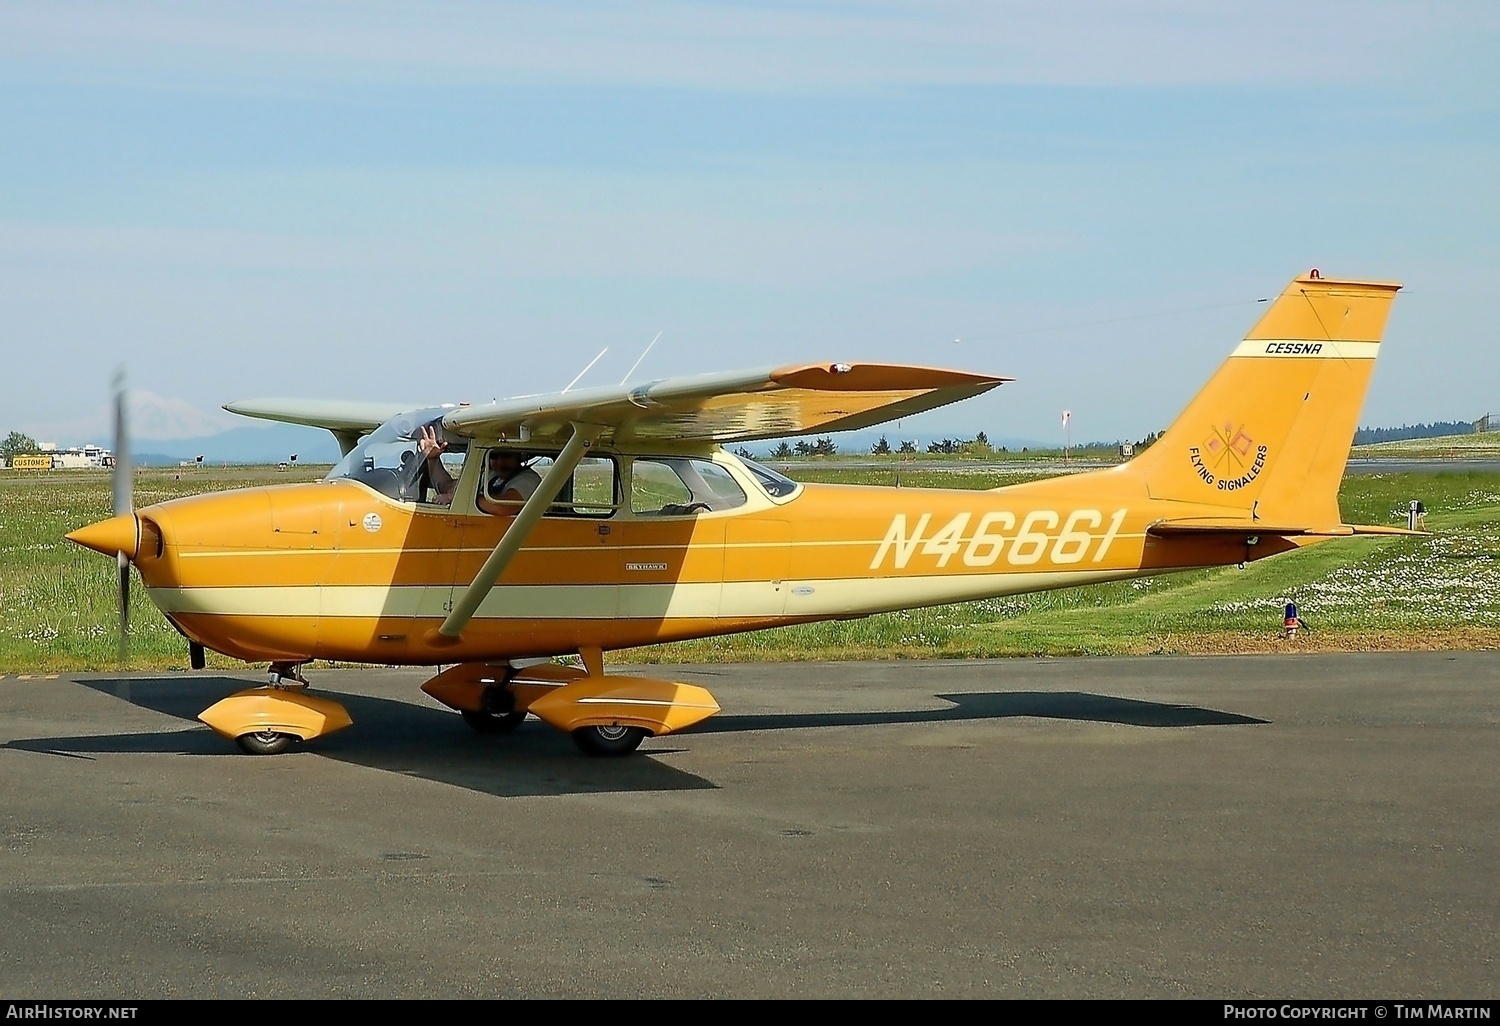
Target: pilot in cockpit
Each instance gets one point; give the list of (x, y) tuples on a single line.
[(509, 480), (443, 482)]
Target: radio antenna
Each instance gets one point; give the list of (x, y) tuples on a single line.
[(637, 363), (586, 369)]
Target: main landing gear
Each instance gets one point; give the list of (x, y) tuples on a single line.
[(611, 740), (502, 704), (497, 712), (604, 715), (606, 740)]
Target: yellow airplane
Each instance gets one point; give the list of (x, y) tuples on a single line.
[(429, 545)]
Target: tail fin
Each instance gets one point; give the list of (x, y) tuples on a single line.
[(1268, 437)]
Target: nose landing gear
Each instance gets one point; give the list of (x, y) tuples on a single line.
[(268, 720)]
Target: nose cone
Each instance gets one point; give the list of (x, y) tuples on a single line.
[(117, 534)]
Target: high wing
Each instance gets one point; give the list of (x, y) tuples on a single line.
[(728, 407), (732, 407), (347, 420)]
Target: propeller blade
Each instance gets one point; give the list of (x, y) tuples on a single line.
[(123, 479), (123, 563)]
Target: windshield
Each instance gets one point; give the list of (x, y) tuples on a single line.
[(775, 484), (387, 459)]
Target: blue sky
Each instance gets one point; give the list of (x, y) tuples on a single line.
[(455, 201)]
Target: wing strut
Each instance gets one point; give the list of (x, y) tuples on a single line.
[(579, 443)]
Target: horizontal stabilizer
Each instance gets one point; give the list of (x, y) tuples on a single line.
[(1241, 527), (1377, 529)]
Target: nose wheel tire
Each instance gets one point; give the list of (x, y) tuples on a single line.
[(493, 723), (611, 741), (264, 742)]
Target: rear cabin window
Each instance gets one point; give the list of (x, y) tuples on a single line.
[(671, 486)]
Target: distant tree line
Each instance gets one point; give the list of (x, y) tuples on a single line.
[(980, 445), (818, 447), (1367, 436)]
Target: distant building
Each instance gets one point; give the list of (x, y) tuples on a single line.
[(1489, 422), (83, 457)]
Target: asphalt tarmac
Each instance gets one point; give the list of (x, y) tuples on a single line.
[(1282, 827)]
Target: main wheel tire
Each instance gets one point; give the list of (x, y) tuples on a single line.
[(610, 741), (264, 742), (493, 723)]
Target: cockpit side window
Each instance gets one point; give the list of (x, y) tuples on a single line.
[(389, 461), (591, 491)]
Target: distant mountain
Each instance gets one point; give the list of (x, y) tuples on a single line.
[(152, 417), (166, 431), (273, 444)]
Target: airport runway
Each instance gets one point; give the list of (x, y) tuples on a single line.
[(1293, 826)]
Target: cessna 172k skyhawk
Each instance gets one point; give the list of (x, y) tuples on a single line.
[(643, 529)]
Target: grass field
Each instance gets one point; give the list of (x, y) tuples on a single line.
[(58, 600)]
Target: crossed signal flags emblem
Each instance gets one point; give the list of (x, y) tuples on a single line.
[(1229, 449)]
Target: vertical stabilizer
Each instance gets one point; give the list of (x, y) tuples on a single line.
[(1269, 435)]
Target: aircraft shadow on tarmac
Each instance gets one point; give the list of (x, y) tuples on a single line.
[(994, 705), (434, 744), (398, 737)]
